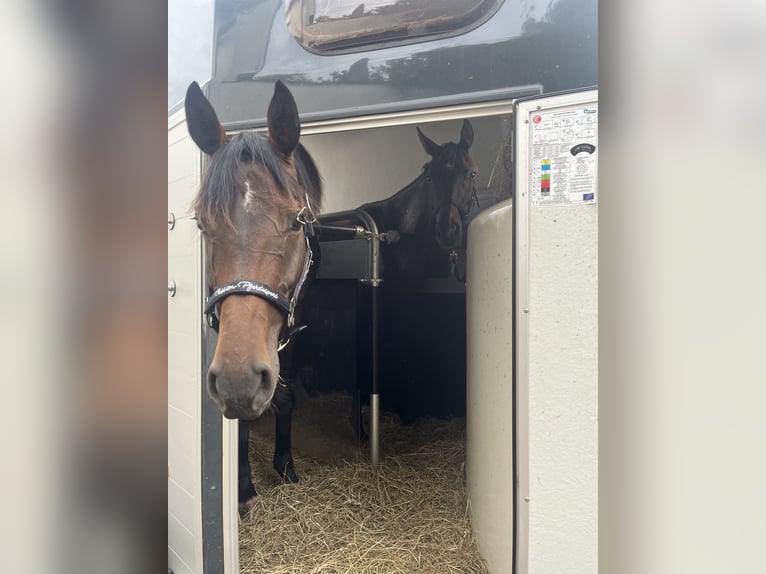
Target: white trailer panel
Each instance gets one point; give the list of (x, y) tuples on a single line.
[(557, 334), (184, 356), (489, 374), (549, 292)]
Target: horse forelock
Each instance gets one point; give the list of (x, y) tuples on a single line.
[(221, 185), (452, 157)]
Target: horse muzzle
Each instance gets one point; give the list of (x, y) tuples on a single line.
[(241, 393), (449, 227)]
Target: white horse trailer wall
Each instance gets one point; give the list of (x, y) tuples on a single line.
[(202, 454), (489, 373), (184, 355), (202, 446), (549, 292)]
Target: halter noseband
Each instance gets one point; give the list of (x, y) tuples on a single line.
[(306, 219)]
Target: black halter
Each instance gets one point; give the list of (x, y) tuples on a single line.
[(306, 219), (463, 214), (453, 254), (474, 201)]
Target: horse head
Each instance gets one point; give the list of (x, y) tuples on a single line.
[(450, 177), (255, 207)]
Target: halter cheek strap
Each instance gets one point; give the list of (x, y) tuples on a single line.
[(453, 254), (474, 201)]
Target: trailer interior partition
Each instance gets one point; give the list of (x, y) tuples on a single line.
[(423, 347)]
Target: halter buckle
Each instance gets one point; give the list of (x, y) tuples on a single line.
[(307, 218)]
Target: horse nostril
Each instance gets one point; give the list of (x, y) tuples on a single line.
[(265, 382), (212, 387), (263, 375)]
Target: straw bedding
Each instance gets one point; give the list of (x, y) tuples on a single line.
[(407, 516)]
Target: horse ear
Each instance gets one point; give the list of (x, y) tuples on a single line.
[(204, 127), (466, 135), (282, 117), (431, 147)]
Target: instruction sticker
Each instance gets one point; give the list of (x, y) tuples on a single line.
[(564, 156)]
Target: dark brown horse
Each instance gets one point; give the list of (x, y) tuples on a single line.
[(256, 208), (430, 213)]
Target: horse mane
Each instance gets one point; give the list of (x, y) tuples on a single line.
[(216, 197)]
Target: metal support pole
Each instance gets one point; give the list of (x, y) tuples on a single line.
[(375, 429), (341, 226), (375, 395)]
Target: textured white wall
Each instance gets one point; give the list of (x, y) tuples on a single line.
[(184, 360), (359, 166), (489, 372), (563, 389)]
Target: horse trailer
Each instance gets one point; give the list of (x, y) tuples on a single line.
[(500, 335)]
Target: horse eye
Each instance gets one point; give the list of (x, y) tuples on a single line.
[(296, 224), (473, 175)]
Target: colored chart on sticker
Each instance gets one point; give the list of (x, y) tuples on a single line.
[(564, 156), (545, 177)]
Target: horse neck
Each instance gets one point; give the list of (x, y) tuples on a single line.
[(388, 212)]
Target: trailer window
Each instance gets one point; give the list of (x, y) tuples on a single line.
[(331, 26)]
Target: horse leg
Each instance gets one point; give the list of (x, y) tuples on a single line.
[(283, 401), (247, 494), (356, 414)]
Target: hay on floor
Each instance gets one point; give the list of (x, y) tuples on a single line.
[(406, 516)]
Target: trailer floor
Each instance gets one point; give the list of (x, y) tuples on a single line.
[(345, 516)]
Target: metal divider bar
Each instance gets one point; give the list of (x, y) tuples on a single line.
[(358, 224)]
